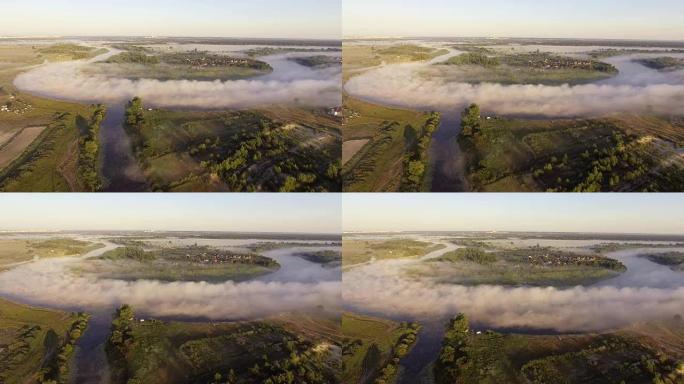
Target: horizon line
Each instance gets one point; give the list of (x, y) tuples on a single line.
[(391, 37), (39, 230), (515, 231), (43, 36)]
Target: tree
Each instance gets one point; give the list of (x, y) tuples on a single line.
[(416, 170), (470, 120), (134, 113), (332, 172), (217, 378), (232, 377), (290, 185), (447, 355)]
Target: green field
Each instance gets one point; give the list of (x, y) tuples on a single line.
[(19, 251), (68, 52), (177, 264), (50, 162), (281, 149), (379, 166), (358, 58), (235, 353), (401, 53), (35, 342), (371, 345), (362, 251), (534, 266), (618, 153), (635, 355)]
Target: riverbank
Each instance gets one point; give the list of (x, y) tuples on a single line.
[(382, 288)]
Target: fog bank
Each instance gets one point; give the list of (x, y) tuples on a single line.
[(48, 283), (289, 84), (381, 288), (404, 85)]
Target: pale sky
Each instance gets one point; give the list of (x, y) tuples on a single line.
[(250, 212), (608, 213), (310, 19), (610, 19)]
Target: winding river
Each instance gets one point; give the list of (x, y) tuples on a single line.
[(646, 291), (288, 84), (412, 85), (299, 285)]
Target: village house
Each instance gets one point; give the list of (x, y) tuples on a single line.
[(336, 112)]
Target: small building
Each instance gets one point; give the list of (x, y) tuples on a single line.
[(336, 112)]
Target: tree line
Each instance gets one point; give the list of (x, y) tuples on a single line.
[(401, 348), (417, 157), (453, 354), (89, 151), (56, 371)]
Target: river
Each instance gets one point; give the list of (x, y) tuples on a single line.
[(446, 160), (299, 285), (120, 168), (288, 84), (646, 291), (412, 85)]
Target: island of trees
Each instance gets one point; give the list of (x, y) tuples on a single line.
[(672, 259), (193, 59), (662, 63), (320, 61), (191, 254), (532, 60)]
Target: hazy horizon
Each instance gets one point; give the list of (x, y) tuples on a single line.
[(569, 213), (605, 19), (299, 19), (237, 232), (152, 37), (541, 232), (504, 37), (254, 213)]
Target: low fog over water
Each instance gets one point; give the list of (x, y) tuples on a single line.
[(637, 88), (648, 292), (289, 83), (51, 283)]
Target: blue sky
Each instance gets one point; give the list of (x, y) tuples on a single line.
[(225, 18), (252, 212), (614, 213), (630, 19)]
